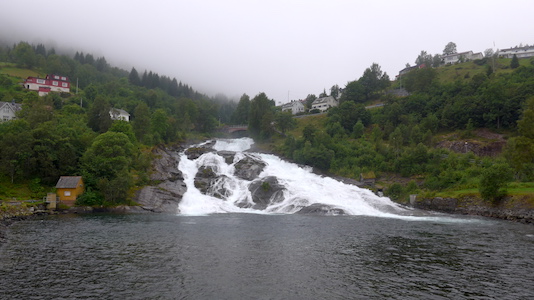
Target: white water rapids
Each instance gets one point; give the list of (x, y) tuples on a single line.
[(302, 187)]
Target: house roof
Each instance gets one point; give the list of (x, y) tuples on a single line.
[(323, 100), (68, 182), (291, 104), (14, 106), (118, 111), (457, 54)]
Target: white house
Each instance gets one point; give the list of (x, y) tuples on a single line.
[(324, 103), (520, 52), (8, 110), (454, 58), (51, 83), (294, 106), (119, 114)]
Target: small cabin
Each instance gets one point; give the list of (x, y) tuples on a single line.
[(68, 188)]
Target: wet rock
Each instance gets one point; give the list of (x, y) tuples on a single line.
[(168, 188), (227, 155), (321, 209), (266, 191), (209, 183), (196, 152), (249, 167)]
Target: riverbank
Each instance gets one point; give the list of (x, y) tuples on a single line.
[(512, 208)]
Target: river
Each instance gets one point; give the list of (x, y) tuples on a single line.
[(218, 249)]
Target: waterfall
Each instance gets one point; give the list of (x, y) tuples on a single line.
[(298, 189)]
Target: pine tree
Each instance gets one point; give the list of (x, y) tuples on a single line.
[(515, 62), (133, 78)]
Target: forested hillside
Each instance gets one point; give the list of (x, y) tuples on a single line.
[(73, 134)]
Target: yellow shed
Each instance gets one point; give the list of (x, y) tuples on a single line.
[(69, 188)]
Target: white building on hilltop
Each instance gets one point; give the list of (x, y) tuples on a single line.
[(520, 52), (455, 57), (324, 103), (294, 106)]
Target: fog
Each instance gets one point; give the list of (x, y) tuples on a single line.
[(287, 49)]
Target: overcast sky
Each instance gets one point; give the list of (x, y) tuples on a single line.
[(285, 48)]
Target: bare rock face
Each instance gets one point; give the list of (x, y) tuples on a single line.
[(249, 167), (168, 183), (266, 191)]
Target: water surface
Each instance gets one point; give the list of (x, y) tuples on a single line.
[(257, 256)]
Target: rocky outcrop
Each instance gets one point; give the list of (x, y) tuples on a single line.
[(196, 152), (266, 191), (168, 187), (209, 183), (321, 209), (507, 209), (228, 156), (249, 167)]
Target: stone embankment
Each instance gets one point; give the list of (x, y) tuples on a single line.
[(510, 208)]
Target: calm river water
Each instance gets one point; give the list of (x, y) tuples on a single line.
[(262, 256)]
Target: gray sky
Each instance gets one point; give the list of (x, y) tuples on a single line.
[(287, 49)]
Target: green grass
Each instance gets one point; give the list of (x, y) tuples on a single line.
[(13, 71), (19, 191), (466, 70), (514, 189)]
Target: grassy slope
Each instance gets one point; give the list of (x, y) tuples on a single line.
[(451, 73), (18, 73)]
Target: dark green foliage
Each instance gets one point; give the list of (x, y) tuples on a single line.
[(133, 78), (420, 80), (373, 81), (261, 116), (98, 115), (241, 113), (515, 62), (348, 113), (354, 92), (494, 180), (358, 129), (394, 191), (285, 121)]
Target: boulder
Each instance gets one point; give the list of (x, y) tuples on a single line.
[(196, 152), (249, 167), (321, 209), (266, 191), (227, 155)]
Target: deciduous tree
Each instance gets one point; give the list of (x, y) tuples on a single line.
[(450, 48)]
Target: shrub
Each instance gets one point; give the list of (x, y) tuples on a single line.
[(494, 181)]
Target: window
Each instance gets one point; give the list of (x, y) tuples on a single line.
[(67, 193), (42, 81), (64, 84), (63, 78), (54, 83)]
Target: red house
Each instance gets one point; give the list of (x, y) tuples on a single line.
[(51, 83)]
